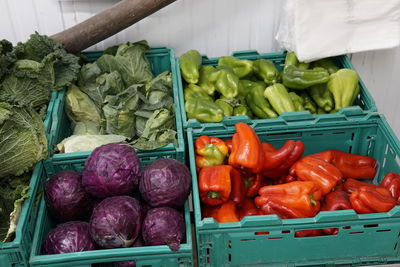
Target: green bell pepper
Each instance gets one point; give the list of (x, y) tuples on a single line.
[(296, 78), (279, 98), (207, 78), (297, 101), (189, 63), (227, 83), (203, 110), (308, 104), (344, 87), (195, 92), (327, 64), (241, 67), (258, 104), (291, 60), (322, 97), (242, 110), (266, 71), (225, 106)]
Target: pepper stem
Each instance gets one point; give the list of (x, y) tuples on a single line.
[(312, 200), (213, 194)]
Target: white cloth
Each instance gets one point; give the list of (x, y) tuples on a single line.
[(315, 29)]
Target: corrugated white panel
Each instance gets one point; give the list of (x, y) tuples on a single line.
[(214, 27), (380, 71)]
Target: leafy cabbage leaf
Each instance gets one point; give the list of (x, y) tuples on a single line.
[(23, 141)]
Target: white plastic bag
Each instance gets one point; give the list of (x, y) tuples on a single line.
[(315, 29)]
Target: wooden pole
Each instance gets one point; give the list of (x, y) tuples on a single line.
[(107, 23)]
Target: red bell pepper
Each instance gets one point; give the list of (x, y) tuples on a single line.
[(210, 151), (370, 200), (307, 233), (238, 188), (215, 184), (278, 162), (228, 144), (352, 185), (226, 213), (336, 200), (391, 182), (208, 211), (254, 183), (350, 165), (292, 200), (246, 149), (322, 173), (284, 179), (248, 209)]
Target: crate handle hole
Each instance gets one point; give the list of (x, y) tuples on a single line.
[(229, 257), (247, 239), (370, 225), (230, 244), (286, 232), (349, 227), (261, 233), (352, 233), (278, 237), (384, 230)]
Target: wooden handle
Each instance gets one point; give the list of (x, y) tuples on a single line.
[(107, 23)]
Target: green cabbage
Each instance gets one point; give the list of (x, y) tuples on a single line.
[(23, 141)]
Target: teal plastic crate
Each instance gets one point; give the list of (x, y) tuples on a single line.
[(268, 240), (364, 103), (149, 256), (16, 253), (161, 59)]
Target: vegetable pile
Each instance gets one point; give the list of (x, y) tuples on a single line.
[(242, 177), (112, 203), (117, 98), (28, 73), (257, 89)]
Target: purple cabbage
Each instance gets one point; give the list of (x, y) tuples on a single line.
[(66, 200), (163, 226), (68, 237), (165, 183), (116, 222), (111, 170)]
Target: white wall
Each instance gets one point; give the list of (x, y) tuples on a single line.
[(214, 27)]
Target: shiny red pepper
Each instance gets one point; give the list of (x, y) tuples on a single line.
[(350, 165), (391, 182), (284, 179), (246, 149), (238, 188), (248, 209), (226, 213), (371, 200), (352, 185), (322, 173), (292, 200), (336, 200), (254, 183), (215, 184), (278, 162)]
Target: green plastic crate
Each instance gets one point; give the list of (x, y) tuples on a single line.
[(364, 102), (362, 238), (161, 59), (149, 256), (16, 253)]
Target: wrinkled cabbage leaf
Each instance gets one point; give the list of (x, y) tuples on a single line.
[(13, 192), (130, 61), (79, 106), (119, 112), (23, 140)]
